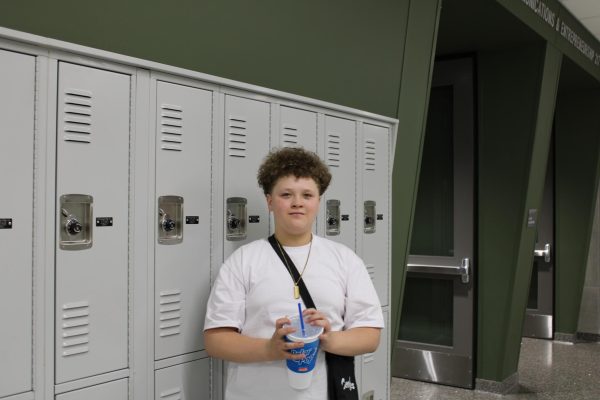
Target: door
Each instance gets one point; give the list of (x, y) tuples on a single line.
[(247, 143), (540, 305), (17, 97), (435, 341), (182, 217), (92, 221), (338, 203)]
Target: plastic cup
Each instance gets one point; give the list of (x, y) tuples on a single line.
[(300, 371)]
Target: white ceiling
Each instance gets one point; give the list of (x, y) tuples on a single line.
[(588, 12)]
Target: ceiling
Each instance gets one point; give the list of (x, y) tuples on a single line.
[(587, 12)]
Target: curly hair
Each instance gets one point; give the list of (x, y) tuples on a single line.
[(297, 162)]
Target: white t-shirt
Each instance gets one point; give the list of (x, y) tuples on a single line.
[(253, 289)]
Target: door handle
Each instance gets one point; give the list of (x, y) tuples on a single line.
[(464, 270), (544, 253)]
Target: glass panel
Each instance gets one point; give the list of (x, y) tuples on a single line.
[(533, 286), (433, 227), (427, 311)]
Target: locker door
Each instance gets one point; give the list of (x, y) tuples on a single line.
[(183, 157), (188, 381), (375, 368), (246, 144), (339, 200), (17, 80), (92, 174), (115, 390), (298, 128), (374, 161)]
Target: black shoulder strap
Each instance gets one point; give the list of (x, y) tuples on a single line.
[(308, 301)]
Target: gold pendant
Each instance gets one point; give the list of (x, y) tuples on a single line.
[(296, 292)]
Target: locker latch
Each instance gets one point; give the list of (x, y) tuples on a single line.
[(332, 217), (75, 221), (370, 216), (235, 220), (170, 219)]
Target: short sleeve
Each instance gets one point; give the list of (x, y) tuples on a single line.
[(227, 301), (363, 308)]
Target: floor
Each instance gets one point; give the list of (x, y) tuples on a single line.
[(548, 370)]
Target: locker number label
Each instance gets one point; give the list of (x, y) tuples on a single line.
[(104, 221), (379, 217), (254, 219), (345, 217), (5, 223), (192, 219)]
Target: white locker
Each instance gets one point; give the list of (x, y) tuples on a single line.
[(339, 201), (17, 94), (92, 186), (375, 228), (187, 381), (298, 128), (183, 165), (246, 144), (375, 367), (115, 390)]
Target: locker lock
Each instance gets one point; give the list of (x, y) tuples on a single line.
[(166, 222), (72, 225), (370, 216), (332, 217), (75, 223), (170, 220), (235, 220)]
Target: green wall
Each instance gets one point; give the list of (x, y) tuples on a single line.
[(348, 53), (517, 88), (577, 155)]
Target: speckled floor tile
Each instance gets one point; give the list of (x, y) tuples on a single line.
[(548, 370)]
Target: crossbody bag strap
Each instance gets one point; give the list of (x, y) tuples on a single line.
[(283, 255)]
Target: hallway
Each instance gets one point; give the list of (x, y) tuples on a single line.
[(548, 370)]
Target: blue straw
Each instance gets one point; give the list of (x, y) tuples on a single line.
[(301, 319)]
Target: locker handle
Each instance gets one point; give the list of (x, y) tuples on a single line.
[(546, 253), (464, 270)]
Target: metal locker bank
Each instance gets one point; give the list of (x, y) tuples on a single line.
[(143, 181)]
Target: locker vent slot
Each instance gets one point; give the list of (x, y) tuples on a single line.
[(171, 394), (237, 137), (170, 313), (75, 328), (368, 358), (369, 155), (333, 150), (171, 127), (371, 271), (77, 116), (290, 136)]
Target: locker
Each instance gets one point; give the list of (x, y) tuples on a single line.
[(187, 381), (115, 390), (92, 179), (17, 80), (374, 228), (298, 128), (339, 200), (375, 368), (246, 144), (183, 165)]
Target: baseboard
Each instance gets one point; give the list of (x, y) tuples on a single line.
[(508, 385)]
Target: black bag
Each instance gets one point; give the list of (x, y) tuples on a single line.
[(341, 381)]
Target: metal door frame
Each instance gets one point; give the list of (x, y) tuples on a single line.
[(452, 365), (539, 322)]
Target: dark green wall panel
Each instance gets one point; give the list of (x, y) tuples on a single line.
[(514, 135), (577, 154), (348, 53), (419, 55)]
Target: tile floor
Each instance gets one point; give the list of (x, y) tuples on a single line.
[(548, 370)]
